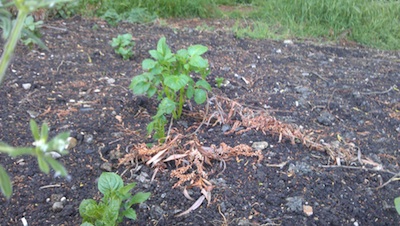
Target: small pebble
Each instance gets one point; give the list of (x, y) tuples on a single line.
[(33, 114), (72, 142), (26, 86), (88, 138), (261, 145), (57, 207), (106, 166), (288, 41)]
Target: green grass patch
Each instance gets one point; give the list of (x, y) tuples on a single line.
[(373, 23)]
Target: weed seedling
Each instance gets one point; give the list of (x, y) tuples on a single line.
[(42, 150), (219, 81), (115, 205), (123, 45), (31, 29), (171, 77)]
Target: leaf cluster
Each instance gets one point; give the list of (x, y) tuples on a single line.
[(123, 45), (42, 150), (114, 206), (170, 76), (30, 33)]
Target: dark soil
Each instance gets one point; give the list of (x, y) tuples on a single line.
[(345, 96)]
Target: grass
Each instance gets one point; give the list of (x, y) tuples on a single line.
[(373, 23)]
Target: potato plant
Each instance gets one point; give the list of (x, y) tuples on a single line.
[(171, 77)]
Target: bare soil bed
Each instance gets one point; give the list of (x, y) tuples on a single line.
[(344, 101)]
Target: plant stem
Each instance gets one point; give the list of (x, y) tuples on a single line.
[(11, 43), (181, 102)]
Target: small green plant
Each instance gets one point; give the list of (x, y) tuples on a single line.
[(171, 77), (30, 33), (42, 150), (115, 205), (219, 81), (12, 30), (31, 26), (123, 45)]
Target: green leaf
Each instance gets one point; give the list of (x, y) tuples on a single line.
[(33, 39), (189, 92), (141, 87), (126, 39), (182, 54), (58, 167), (92, 212), (156, 55), (13, 152), (204, 84), (115, 43), (86, 224), (397, 204), (151, 91), (124, 192), (109, 182), (200, 96), (44, 167), (150, 127), (130, 213), (176, 82), (34, 129), (5, 183), (197, 50), (199, 62), (162, 46), (111, 212), (139, 198), (135, 80), (167, 106), (148, 64)]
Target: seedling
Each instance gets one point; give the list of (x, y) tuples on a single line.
[(31, 33), (171, 77), (42, 150), (115, 205), (219, 81), (123, 45)]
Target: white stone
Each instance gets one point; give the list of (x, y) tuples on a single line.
[(26, 86), (261, 145), (288, 41)]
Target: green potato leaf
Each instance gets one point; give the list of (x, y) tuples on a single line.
[(130, 213), (197, 50), (167, 106), (198, 62), (204, 84), (200, 96), (139, 198), (148, 64), (176, 82), (156, 55), (189, 92), (109, 182)]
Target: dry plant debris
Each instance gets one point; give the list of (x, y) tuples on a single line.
[(191, 157), (261, 120)]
